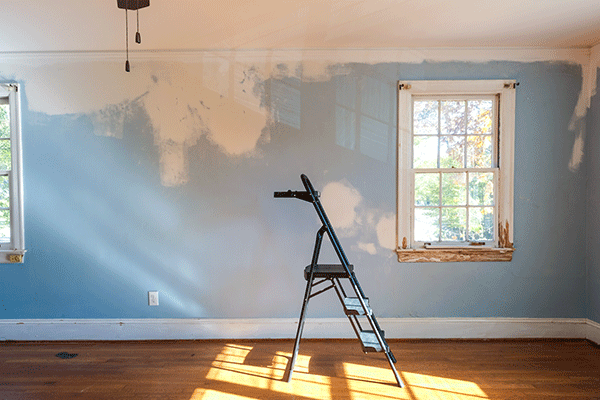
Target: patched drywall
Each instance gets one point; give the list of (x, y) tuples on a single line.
[(163, 179), (593, 211), (342, 200), (222, 95), (577, 123)]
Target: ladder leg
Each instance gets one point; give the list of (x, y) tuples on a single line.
[(299, 330), (391, 360), (309, 284)]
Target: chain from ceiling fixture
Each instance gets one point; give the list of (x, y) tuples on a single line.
[(132, 5)]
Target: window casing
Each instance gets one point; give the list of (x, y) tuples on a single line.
[(455, 170), (12, 243)]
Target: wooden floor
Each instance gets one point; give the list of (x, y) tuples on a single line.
[(326, 369)]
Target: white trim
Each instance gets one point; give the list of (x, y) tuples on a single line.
[(285, 328), (371, 56), (593, 331)]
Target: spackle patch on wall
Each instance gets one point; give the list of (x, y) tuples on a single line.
[(341, 199), (386, 231), (221, 95), (577, 123), (216, 96), (351, 217)]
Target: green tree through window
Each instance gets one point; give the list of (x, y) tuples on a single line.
[(5, 167)]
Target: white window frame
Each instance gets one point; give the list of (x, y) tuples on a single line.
[(13, 251), (501, 249)]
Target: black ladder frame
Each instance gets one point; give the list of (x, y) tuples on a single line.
[(371, 340)]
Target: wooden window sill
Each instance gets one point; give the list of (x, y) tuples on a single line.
[(459, 254)]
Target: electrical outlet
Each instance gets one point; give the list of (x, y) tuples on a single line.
[(153, 298)]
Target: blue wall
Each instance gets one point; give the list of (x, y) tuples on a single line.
[(593, 210), (107, 219)]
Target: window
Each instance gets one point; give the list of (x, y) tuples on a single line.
[(455, 170), (11, 188)]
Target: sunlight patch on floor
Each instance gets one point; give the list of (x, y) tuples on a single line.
[(229, 368), (435, 387), (233, 377), (366, 382), (202, 394)]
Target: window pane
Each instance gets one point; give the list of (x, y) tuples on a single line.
[(425, 151), (4, 192), (452, 151), (452, 118), (427, 189), (454, 223), (480, 117), (425, 117), (481, 223), (479, 152), (427, 224), (4, 210), (481, 188), (4, 121), (454, 189), (4, 154)]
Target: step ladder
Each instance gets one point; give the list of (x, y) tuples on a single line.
[(356, 304)]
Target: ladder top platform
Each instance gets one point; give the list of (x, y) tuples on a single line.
[(328, 271)]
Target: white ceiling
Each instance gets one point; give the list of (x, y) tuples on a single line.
[(98, 25)]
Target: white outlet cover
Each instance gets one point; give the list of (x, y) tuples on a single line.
[(153, 298)]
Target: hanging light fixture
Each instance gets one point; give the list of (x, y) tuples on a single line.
[(132, 5)]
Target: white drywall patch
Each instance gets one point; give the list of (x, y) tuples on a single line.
[(79, 87), (351, 217), (235, 127), (187, 95), (368, 247), (588, 90), (174, 105), (109, 121), (386, 231), (577, 153), (341, 199)]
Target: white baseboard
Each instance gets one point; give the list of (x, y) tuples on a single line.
[(593, 331), (285, 328)]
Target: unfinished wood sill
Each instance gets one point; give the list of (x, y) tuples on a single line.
[(459, 254)]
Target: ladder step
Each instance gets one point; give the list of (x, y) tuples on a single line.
[(353, 307), (328, 271), (370, 343)]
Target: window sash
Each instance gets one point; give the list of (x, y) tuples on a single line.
[(467, 205), (465, 223), (9, 94), (458, 97)]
